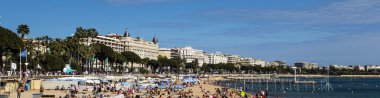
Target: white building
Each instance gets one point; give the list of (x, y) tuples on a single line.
[(233, 59), (247, 61), (259, 62), (371, 67), (216, 58), (119, 43), (189, 54), (340, 67), (306, 65), (165, 52), (359, 68)]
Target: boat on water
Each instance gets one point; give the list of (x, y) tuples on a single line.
[(304, 82)]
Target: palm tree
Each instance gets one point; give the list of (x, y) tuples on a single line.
[(79, 52), (23, 30), (131, 57), (85, 52), (80, 32), (91, 33)]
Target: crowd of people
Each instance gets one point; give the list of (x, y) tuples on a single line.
[(114, 88)]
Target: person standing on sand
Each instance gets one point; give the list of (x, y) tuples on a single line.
[(41, 90), (19, 92)]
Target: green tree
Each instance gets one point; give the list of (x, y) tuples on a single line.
[(206, 68), (120, 59), (92, 33), (75, 66), (52, 63), (103, 52), (10, 44), (144, 61), (85, 52), (154, 64), (180, 62), (131, 57), (23, 30), (143, 70)]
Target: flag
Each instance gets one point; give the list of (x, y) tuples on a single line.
[(93, 58), (38, 66), (24, 53), (106, 61)]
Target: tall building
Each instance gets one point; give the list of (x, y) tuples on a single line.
[(119, 43), (306, 65), (189, 54), (247, 61), (165, 52), (216, 58), (233, 59)]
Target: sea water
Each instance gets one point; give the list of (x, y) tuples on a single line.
[(341, 87)]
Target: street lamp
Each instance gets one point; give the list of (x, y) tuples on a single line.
[(295, 73), (180, 70), (169, 69)]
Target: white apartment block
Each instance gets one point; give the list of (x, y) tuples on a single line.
[(233, 59), (216, 58), (372, 67), (247, 61), (259, 62), (340, 67), (306, 65), (189, 54)]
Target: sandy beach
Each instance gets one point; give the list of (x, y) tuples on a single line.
[(195, 91)]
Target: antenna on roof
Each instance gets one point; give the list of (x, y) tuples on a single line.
[(0, 21)]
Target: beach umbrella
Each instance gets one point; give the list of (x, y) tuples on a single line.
[(142, 87), (163, 86), (90, 81), (96, 81), (188, 80), (126, 84), (178, 86), (106, 81)]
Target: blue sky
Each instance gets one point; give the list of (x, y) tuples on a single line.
[(323, 31)]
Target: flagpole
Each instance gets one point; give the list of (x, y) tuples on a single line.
[(20, 66), (26, 65)]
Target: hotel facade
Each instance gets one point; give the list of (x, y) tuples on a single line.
[(121, 43)]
